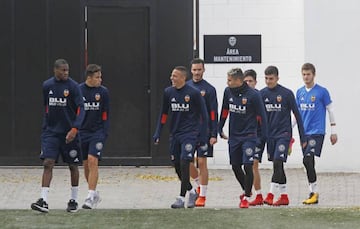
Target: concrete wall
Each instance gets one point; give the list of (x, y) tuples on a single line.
[(332, 35), (294, 32)]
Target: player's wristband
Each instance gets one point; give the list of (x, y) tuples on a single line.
[(333, 128)]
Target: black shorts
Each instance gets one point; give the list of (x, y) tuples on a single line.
[(242, 152), (93, 144), (314, 145), (278, 148), (204, 150), (182, 148), (53, 145)]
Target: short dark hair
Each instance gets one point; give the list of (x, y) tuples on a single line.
[(60, 62), (309, 66), (182, 69), (197, 61), (91, 69), (236, 73), (250, 72), (272, 70)]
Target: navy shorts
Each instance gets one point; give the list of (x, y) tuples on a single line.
[(204, 150), (277, 148), (92, 144), (259, 150), (314, 145), (182, 148), (53, 145), (242, 152)]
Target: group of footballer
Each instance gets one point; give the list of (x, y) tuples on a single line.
[(256, 119), (76, 122)]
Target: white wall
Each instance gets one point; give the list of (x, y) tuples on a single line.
[(332, 36), (293, 31)]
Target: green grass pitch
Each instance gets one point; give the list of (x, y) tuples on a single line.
[(258, 217)]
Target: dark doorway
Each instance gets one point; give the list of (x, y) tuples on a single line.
[(137, 42), (118, 39)]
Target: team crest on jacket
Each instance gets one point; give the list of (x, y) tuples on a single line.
[(244, 101), (66, 92), (278, 98), (187, 98), (202, 92), (97, 96), (313, 98)]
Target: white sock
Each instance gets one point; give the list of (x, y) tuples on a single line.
[(196, 180), (182, 198), (74, 192), (274, 187), (313, 187), (44, 193), (282, 188), (203, 190), (91, 194), (258, 192)]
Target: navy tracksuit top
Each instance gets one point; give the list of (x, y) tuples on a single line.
[(279, 102), (96, 104), (245, 107), (208, 92), (64, 106), (188, 113)]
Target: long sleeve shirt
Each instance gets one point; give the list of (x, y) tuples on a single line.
[(245, 107), (96, 105), (188, 113), (208, 92), (279, 103), (63, 105)]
